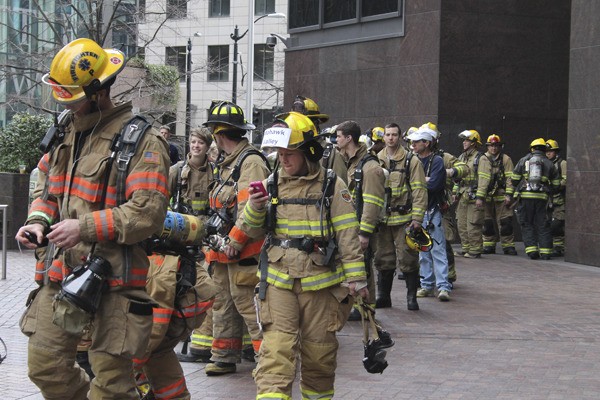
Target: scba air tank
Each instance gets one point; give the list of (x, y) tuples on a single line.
[(182, 229)]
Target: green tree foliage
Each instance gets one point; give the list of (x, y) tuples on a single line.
[(19, 141)]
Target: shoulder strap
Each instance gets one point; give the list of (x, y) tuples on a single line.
[(358, 179), (130, 137), (235, 174)]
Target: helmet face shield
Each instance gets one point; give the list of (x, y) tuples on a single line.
[(471, 135)]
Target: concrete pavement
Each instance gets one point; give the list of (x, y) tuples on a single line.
[(514, 329)]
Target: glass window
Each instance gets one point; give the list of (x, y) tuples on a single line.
[(339, 10), (218, 8), (370, 8), (218, 63), (176, 57), (124, 35), (263, 7), (176, 9), (264, 61), (303, 13)]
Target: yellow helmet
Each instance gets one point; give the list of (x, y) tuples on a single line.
[(471, 135), (80, 69), (433, 127), (552, 144), (410, 130), (538, 142), (309, 108), (377, 134), (493, 139), (418, 239), (301, 134)]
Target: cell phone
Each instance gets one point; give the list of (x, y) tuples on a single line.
[(33, 239), (258, 187)]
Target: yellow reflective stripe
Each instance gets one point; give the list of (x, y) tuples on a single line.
[(202, 340), (286, 227), (531, 249), (366, 227), (279, 279), (418, 211), (246, 339), (46, 217), (354, 269), (399, 191), (310, 395), (344, 221), (276, 396), (369, 198), (534, 195), (199, 205), (324, 280), (254, 218), (398, 219), (484, 175), (418, 185)]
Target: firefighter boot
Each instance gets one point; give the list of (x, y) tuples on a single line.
[(412, 285), (384, 288)]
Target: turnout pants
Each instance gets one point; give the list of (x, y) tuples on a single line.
[(118, 335), (391, 250), (300, 323), (535, 226), (234, 307), (470, 224), (498, 224)]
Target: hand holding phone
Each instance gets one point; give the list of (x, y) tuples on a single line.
[(33, 239), (258, 187)]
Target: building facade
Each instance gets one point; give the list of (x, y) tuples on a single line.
[(210, 26)]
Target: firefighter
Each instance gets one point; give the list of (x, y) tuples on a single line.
[(189, 182), (96, 200), (234, 262), (377, 134), (331, 155), (366, 182), (534, 180), (558, 200), (311, 264), (494, 172), (455, 171), (406, 196), (468, 215)]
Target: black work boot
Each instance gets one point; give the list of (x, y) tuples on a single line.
[(384, 288), (412, 285)]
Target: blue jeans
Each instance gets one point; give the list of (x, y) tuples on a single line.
[(434, 263)]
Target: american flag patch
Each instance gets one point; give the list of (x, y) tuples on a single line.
[(151, 157)]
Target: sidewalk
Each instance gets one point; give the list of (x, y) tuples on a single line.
[(514, 329)]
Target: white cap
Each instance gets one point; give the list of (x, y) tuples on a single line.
[(423, 133)]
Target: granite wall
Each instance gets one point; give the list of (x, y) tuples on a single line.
[(583, 163)]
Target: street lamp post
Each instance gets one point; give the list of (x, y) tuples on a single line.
[(250, 31), (235, 36), (188, 97)]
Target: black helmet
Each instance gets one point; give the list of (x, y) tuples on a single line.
[(227, 113)]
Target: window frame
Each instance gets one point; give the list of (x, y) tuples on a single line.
[(223, 73), (211, 12), (261, 48)]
